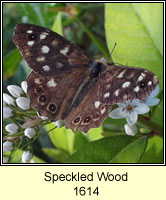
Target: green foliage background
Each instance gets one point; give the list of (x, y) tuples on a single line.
[(137, 28)]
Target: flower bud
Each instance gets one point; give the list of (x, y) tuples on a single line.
[(131, 130), (15, 90), (8, 99), (26, 156), (30, 132), (5, 159), (59, 123), (24, 86), (23, 103), (11, 128), (7, 146), (7, 112)]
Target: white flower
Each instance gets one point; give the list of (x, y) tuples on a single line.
[(151, 99), (30, 132), (5, 159), (23, 103), (59, 123), (130, 110), (131, 130), (15, 90), (8, 99), (7, 146), (7, 112), (24, 86), (26, 156), (42, 117), (12, 128)]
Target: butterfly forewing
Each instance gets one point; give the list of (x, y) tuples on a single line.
[(47, 52)]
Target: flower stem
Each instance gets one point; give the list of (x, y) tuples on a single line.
[(157, 129)]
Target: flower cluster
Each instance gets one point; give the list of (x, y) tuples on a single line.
[(14, 107), (131, 108)]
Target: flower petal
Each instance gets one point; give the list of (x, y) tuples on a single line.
[(15, 90), (131, 130), (26, 156), (24, 86), (7, 112), (152, 102), (117, 113), (7, 146), (23, 103), (132, 118), (30, 132), (11, 128), (154, 92), (142, 108), (8, 99)]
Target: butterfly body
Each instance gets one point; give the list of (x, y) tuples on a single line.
[(66, 84)]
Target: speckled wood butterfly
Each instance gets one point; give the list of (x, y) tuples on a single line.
[(66, 84)]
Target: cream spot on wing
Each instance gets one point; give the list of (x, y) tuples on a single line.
[(125, 97), (29, 31), (140, 78), (155, 79), (43, 35), (51, 83), (54, 43), (30, 43), (37, 80), (116, 93), (64, 51), (143, 74), (97, 104), (59, 65), (45, 49), (150, 83), (106, 95), (40, 59), (27, 53), (108, 86), (125, 84), (136, 89), (46, 68), (103, 109), (120, 75)]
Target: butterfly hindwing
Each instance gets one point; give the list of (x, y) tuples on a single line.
[(47, 52), (120, 83)]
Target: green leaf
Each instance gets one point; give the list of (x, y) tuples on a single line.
[(111, 149), (33, 12), (57, 26), (79, 141), (137, 28), (154, 151), (10, 63), (58, 154), (61, 138)]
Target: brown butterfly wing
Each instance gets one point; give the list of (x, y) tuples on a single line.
[(121, 83), (89, 113), (51, 96), (47, 52)]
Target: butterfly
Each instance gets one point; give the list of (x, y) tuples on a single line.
[(66, 84)]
